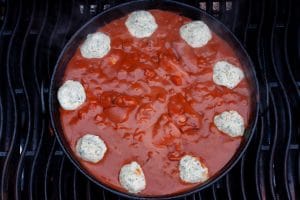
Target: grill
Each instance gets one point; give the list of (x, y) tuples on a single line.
[(32, 34)]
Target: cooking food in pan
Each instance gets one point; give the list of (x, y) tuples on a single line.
[(154, 103)]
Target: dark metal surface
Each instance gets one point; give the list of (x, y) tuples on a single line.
[(32, 34)]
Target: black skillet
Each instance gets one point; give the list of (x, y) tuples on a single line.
[(117, 12)]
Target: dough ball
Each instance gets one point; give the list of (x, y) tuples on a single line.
[(71, 95), (91, 148), (227, 75), (195, 33), (132, 178), (191, 170), (141, 24), (96, 45), (230, 123)]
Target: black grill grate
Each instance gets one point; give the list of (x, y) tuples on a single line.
[(33, 33)]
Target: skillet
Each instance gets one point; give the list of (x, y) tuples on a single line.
[(120, 11)]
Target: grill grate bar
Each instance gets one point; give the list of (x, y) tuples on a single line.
[(274, 141), (242, 177), (198, 196), (228, 191), (246, 28), (60, 179), (2, 119), (286, 125), (1, 116), (103, 195), (47, 178), (52, 52), (50, 181), (214, 193), (20, 166), (242, 162), (292, 78), (236, 9), (37, 174), (8, 172), (260, 184), (37, 60), (75, 184), (88, 190), (286, 54), (4, 19)]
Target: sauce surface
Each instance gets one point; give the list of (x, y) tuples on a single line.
[(153, 100)]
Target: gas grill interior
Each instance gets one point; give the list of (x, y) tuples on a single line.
[(32, 35)]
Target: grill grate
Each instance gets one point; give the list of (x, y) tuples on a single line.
[(31, 37)]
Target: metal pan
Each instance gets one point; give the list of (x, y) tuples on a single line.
[(119, 11)]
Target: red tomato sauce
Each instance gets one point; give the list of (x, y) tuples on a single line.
[(153, 100)]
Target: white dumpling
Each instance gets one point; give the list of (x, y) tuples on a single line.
[(91, 148), (71, 95), (141, 24), (227, 75), (191, 170), (230, 123), (96, 45), (195, 33), (132, 178)]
